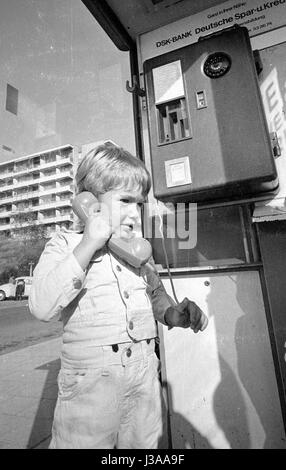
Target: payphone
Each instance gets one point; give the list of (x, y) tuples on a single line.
[(208, 134)]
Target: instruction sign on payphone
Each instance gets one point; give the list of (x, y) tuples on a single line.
[(208, 133)]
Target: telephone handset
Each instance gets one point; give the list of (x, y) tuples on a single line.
[(136, 251)]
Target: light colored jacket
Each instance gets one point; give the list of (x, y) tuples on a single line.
[(109, 303)]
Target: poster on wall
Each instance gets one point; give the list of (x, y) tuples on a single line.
[(258, 16), (273, 91)]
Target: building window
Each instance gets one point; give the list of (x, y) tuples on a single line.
[(12, 99)]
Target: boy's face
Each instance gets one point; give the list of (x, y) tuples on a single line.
[(123, 207)]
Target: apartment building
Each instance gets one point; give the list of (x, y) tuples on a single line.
[(38, 190)]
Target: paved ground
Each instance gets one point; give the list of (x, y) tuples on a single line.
[(19, 329), (28, 391)]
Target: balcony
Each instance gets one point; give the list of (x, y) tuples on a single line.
[(5, 227), (37, 193), (41, 179), (30, 168), (42, 166), (41, 207), (44, 221), (57, 218), (6, 213)]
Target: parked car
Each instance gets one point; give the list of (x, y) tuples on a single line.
[(8, 291)]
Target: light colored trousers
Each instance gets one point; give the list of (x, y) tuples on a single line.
[(115, 404)]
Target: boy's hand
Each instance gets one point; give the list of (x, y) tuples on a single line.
[(97, 232), (97, 227), (186, 314)]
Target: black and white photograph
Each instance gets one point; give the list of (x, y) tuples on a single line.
[(143, 227)]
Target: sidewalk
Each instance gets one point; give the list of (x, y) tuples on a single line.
[(28, 391)]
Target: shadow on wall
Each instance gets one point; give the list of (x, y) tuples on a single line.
[(188, 434), (245, 402), (228, 401), (230, 410), (255, 365)]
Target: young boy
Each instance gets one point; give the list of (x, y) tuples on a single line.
[(109, 391)]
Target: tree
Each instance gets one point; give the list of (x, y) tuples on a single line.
[(7, 273), (30, 254), (24, 226), (24, 246)]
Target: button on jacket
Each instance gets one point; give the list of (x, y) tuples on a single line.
[(109, 303)]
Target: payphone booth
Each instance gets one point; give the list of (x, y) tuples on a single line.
[(210, 126)]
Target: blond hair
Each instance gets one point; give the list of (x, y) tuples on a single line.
[(109, 167)]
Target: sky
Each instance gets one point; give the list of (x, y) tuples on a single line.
[(69, 75)]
